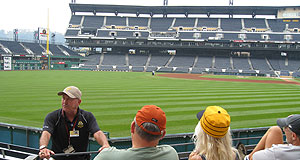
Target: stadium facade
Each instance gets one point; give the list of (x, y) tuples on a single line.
[(186, 39)]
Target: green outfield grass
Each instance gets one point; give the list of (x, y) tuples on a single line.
[(115, 97)]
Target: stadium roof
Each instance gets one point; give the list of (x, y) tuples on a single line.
[(234, 10)]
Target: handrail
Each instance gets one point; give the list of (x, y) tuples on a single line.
[(181, 141)]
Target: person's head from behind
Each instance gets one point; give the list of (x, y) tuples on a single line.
[(71, 97), (149, 123), (212, 137), (291, 127)]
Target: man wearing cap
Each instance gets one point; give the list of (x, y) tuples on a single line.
[(271, 146), (147, 128), (70, 128)]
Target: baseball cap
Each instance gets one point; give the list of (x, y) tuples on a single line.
[(292, 121), (214, 121), (151, 114), (71, 91)]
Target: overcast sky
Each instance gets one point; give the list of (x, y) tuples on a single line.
[(31, 14)]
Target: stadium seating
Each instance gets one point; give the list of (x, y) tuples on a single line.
[(34, 47), (182, 61), (161, 24), (92, 60), (182, 70), (222, 62), (204, 62), (208, 22), (231, 36), (165, 69), (187, 35), (14, 47), (54, 50), (93, 21), (117, 21), (289, 64), (254, 23), (233, 24), (198, 70), (138, 69), (72, 32), (185, 22), (75, 20), (178, 29), (150, 69), (137, 60), (186, 27), (241, 63), (260, 64), (158, 60), (2, 51), (276, 25), (114, 59), (138, 21)]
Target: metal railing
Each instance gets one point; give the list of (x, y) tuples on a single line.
[(26, 140)]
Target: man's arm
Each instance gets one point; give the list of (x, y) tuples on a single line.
[(44, 140), (101, 139)]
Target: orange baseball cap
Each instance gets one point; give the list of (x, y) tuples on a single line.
[(151, 114)]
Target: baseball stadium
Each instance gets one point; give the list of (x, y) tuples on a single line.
[(180, 58)]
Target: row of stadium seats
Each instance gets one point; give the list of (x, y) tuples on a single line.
[(164, 24), (26, 48), (197, 63), (258, 29)]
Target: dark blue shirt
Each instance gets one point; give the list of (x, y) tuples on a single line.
[(58, 125)]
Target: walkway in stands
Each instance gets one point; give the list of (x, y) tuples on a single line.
[(198, 77)]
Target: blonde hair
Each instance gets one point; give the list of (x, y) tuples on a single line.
[(213, 148)]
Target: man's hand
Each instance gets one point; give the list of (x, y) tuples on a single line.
[(45, 153), (101, 139), (104, 146)]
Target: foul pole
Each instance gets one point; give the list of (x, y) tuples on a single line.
[(49, 67)]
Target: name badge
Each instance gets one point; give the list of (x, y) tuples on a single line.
[(70, 149), (74, 133)]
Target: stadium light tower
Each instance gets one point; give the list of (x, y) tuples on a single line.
[(16, 32)]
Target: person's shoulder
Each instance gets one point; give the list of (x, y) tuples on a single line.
[(109, 153), (169, 151), (110, 149), (84, 112), (285, 147), (278, 151), (55, 113), (267, 153), (167, 148)]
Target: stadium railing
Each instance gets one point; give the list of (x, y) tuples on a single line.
[(28, 137)]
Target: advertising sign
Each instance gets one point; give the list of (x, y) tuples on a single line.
[(7, 63), (43, 34)]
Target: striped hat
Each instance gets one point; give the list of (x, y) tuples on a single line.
[(214, 121)]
